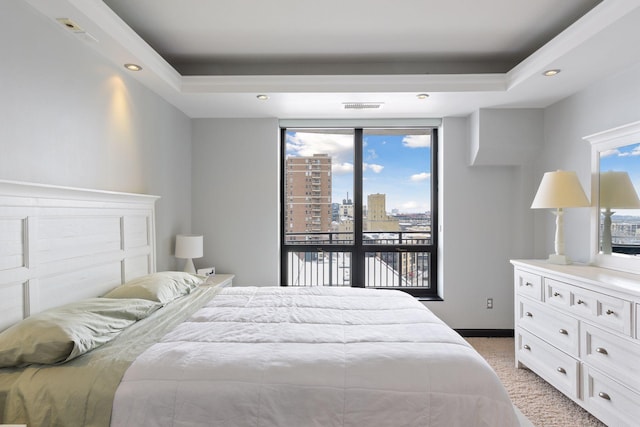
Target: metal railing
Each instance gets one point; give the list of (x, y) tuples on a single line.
[(382, 269), (390, 259), (319, 268), (397, 269), (369, 238)]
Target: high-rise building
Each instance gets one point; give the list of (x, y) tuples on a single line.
[(308, 193)]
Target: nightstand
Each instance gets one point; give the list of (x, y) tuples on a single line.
[(220, 280)]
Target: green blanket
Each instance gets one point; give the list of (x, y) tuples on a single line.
[(80, 392)]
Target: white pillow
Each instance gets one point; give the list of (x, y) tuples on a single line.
[(162, 287)]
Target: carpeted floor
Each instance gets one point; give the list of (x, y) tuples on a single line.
[(542, 404)]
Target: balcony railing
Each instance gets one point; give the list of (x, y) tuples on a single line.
[(402, 265), (382, 269), (369, 238)]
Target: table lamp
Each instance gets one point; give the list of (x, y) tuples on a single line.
[(559, 190), (189, 246)]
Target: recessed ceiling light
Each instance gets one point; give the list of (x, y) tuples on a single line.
[(132, 67), (422, 95), (69, 24), (550, 73), (262, 97)]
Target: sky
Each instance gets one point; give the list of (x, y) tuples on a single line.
[(396, 165)]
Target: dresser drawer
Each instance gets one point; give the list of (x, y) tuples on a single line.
[(603, 310), (613, 313), (584, 303), (558, 329), (610, 401), (557, 293), (571, 298), (557, 368), (619, 357), (528, 284)]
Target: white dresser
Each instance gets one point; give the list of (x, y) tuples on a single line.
[(578, 327)]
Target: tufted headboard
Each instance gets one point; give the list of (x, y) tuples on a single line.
[(60, 244)]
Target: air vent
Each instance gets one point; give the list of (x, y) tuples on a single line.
[(362, 105)]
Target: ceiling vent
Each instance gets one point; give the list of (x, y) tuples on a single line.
[(362, 105)]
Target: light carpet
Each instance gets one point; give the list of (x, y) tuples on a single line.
[(542, 404)]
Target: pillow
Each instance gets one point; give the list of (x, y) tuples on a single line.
[(162, 287), (64, 333)]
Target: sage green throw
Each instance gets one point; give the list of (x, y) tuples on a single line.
[(80, 392)]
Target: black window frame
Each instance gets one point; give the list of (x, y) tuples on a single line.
[(357, 248)]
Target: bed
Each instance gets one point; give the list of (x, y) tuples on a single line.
[(254, 356)]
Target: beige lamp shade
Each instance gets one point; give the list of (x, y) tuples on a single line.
[(617, 192), (560, 189)]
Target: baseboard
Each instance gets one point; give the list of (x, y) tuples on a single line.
[(490, 333)]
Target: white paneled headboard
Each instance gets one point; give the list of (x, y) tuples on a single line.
[(60, 244)]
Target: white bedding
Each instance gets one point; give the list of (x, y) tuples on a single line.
[(296, 357)]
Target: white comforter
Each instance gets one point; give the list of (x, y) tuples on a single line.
[(296, 357)]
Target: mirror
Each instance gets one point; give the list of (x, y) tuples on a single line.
[(618, 200), (615, 231)]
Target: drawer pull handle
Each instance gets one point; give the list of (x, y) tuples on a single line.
[(556, 294), (604, 395), (563, 332), (610, 312), (561, 370), (528, 284), (526, 347), (528, 314), (580, 301), (601, 350)]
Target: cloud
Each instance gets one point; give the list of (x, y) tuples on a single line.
[(339, 147), (342, 168), (618, 153), (372, 154), (609, 153), (417, 141), (420, 177), (373, 167), (413, 206)]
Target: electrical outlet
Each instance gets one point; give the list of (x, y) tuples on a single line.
[(489, 303)]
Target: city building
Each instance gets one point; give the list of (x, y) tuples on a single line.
[(377, 218), (308, 192)]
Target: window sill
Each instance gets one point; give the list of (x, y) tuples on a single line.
[(430, 298)]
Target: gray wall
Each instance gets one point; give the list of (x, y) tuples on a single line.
[(235, 197), (70, 118), (479, 234)]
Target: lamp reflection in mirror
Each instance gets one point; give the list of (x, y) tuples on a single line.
[(616, 192), (559, 190), (189, 246)]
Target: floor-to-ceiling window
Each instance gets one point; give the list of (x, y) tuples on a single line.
[(359, 208)]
